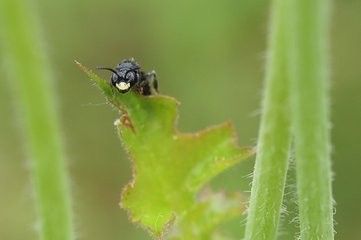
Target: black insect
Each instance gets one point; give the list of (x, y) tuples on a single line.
[(128, 75)]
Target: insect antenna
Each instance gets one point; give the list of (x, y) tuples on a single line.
[(109, 69)]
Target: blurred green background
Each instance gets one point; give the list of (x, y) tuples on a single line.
[(210, 56)]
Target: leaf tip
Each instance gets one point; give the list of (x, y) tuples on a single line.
[(82, 67)]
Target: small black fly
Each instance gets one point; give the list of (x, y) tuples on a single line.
[(128, 75)]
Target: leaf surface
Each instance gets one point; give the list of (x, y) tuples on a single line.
[(202, 220)]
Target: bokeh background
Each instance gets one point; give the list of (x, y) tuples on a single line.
[(210, 56)]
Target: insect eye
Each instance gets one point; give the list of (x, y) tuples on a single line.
[(115, 77), (130, 76)]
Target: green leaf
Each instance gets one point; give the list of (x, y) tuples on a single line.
[(169, 167), (202, 220)]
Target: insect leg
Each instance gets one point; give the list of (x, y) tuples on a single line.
[(151, 77)]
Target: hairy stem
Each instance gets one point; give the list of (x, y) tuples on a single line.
[(31, 79), (274, 136), (309, 88)]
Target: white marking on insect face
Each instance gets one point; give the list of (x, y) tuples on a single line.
[(123, 86)]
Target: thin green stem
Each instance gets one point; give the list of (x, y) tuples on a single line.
[(31, 79), (309, 88), (274, 137)]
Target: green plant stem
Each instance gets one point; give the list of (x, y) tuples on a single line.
[(309, 85), (274, 137), (31, 79)]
